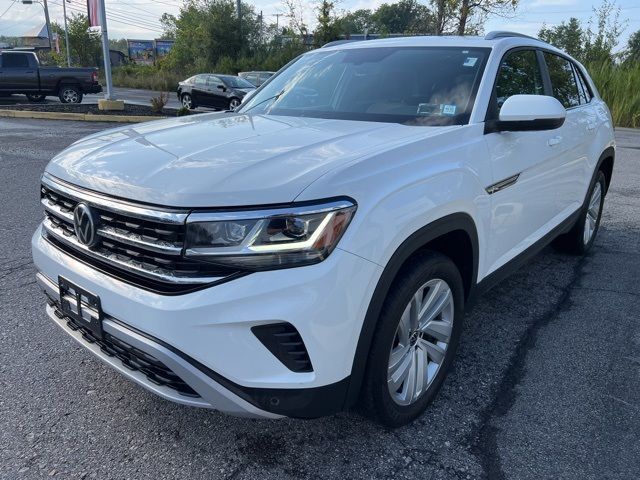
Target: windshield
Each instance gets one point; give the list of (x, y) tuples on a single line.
[(237, 82), (408, 85)]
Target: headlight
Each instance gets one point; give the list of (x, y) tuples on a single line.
[(266, 239)]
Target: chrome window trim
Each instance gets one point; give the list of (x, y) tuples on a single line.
[(154, 214)]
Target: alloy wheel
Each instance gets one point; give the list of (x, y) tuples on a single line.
[(234, 103), (593, 213), (70, 95), (187, 102), (420, 342)]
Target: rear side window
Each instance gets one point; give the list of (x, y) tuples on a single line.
[(519, 75), (583, 88), (200, 80), (563, 81), (12, 60)]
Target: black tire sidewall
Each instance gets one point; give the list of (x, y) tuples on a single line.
[(599, 179), (427, 266)]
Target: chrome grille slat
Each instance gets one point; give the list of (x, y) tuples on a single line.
[(176, 217), (137, 245), (59, 233)]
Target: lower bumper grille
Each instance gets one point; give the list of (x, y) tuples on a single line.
[(133, 358)]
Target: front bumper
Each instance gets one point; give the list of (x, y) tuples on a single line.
[(205, 337)]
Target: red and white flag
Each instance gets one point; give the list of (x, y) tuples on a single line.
[(93, 9)]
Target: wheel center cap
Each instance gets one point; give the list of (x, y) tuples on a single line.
[(413, 338)]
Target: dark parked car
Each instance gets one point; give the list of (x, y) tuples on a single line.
[(213, 90), (20, 72), (256, 78)]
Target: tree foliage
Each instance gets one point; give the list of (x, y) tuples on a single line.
[(594, 43), (84, 44)]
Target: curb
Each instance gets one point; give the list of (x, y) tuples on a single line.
[(85, 117)]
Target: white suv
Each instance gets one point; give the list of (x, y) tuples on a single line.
[(316, 249)]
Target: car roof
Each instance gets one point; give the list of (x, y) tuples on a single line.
[(491, 40)]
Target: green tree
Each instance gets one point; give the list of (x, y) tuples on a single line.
[(84, 44), (357, 22), (328, 28), (405, 16), (632, 52), (569, 36), (603, 33)]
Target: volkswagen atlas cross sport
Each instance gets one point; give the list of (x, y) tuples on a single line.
[(315, 249)]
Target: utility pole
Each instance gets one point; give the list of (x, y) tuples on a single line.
[(105, 49), (278, 15), (46, 16), (66, 33), (239, 7)]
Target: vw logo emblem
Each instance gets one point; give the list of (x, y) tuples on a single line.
[(84, 224)]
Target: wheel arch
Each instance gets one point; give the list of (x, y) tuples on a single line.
[(454, 235), (605, 163), (68, 82)]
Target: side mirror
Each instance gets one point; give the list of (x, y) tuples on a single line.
[(222, 87), (521, 113)]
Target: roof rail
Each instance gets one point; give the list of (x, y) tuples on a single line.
[(505, 34)]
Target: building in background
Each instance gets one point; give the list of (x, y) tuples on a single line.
[(142, 51)]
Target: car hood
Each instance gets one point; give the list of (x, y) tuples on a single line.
[(222, 160)]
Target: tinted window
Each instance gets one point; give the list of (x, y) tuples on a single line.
[(563, 82), (583, 89), (200, 80), (12, 60), (519, 75), (237, 82), (214, 82), (409, 85)]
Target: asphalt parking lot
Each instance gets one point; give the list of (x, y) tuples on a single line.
[(546, 384)]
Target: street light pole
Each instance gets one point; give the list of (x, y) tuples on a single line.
[(66, 33), (105, 49)]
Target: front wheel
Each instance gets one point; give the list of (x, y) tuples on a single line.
[(36, 98), (234, 103), (70, 94), (415, 341), (581, 237)]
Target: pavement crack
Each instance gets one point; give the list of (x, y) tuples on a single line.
[(484, 438)]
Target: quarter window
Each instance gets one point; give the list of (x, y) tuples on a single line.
[(519, 75), (585, 94), (563, 81)]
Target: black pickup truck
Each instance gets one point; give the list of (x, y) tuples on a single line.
[(20, 72)]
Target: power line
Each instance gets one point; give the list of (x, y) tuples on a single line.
[(8, 8)]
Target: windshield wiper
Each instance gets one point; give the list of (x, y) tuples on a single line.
[(273, 97)]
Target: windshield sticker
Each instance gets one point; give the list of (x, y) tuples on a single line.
[(470, 62), (448, 109), (429, 109)]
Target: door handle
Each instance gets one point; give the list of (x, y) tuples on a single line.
[(554, 141)]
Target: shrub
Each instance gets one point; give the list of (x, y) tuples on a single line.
[(158, 103), (183, 112)]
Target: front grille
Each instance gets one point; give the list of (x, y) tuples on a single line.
[(145, 244), (133, 358)]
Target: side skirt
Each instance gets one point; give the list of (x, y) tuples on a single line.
[(520, 260)]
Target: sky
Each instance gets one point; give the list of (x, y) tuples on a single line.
[(139, 19)]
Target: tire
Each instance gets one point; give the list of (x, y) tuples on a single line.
[(36, 98), (580, 238), (234, 103), (70, 94), (430, 278), (187, 101)]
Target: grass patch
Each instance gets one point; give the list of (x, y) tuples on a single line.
[(619, 86)]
